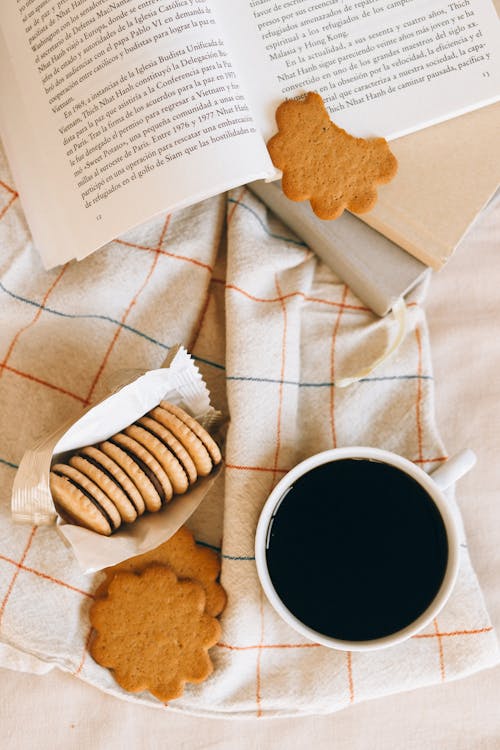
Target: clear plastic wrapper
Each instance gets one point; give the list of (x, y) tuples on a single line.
[(178, 381)]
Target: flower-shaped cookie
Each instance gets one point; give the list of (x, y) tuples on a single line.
[(188, 560), (153, 632), (325, 164)]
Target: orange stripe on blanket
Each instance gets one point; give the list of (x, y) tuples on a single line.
[(339, 305), (442, 668), (436, 459), (242, 467), (168, 254), (9, 203), (350, 677), (252, 647), (221, 644), (258, 690), (306, 297), (14, 577), (53, 387), (8, 188), (46, 576), (453, 633), (84, 654), (282, 376), (32, 322), (272, 469), (332, 369), (418, 404), (127, 313)]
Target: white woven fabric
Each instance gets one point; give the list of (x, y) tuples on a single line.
[(271, 330)]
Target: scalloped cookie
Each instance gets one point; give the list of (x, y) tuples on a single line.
[(324, 164), (153, 632), (187, 559)]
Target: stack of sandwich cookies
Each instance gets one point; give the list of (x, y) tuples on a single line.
[(138, 469), (193, 437), (103, 478), (80, 501), (120, 479), (175, 452), (163, 456), (155, 486)]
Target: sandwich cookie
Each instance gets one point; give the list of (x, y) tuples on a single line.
[(192, 443), (107, 484), (110, 467), (83, 501), (149, 467), (134, 469), (198, 430), (173, 468), (172, 444)]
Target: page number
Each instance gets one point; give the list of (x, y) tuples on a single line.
[(486, 74), (99, 216)]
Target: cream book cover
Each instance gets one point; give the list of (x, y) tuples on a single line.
[(447, 174)]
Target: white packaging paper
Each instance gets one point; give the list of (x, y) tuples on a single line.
[(179, 382)]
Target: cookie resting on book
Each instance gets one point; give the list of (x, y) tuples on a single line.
[(323, 163)]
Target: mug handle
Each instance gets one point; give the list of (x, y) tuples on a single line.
[(454, 468)]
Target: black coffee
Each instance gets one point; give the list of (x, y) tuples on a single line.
[(356, 549)]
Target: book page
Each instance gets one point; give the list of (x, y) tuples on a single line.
[(115, 111), (383, 67)]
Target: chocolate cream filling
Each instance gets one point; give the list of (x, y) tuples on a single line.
[(102, 468), (170, 450), (144, 468), (92, 499)]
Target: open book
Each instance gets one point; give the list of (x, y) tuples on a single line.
[(115, 110)]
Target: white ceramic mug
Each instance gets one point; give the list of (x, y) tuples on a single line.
[(434, 485)]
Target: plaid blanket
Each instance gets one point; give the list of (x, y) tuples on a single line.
[(272, 330)]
